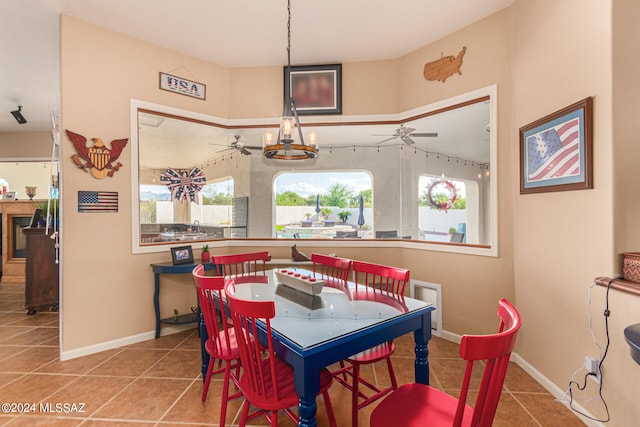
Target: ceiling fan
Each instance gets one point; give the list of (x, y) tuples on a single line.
[(406, 134), (237, 145)]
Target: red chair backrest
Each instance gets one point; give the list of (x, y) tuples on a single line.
[(208, 286), (256, 371), (334, 270), (237, 264), (495, 350), (381, 278)]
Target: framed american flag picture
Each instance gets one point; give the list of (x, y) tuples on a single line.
[(556, 152)]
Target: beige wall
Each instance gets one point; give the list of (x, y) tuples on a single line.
[(106, 291), (622, 374), (25, 145), (486, 62), (564, 240)]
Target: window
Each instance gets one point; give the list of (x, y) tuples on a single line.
[(442, 209), (216, 201), (156, 206), (323, 204)]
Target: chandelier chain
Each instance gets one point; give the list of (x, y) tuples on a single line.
[(289, 35)]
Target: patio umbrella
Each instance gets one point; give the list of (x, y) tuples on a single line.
[(361, 212), (318, 203)]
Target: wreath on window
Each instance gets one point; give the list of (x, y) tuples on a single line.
[(448, 203)]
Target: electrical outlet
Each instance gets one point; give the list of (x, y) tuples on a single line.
[(591, 366)]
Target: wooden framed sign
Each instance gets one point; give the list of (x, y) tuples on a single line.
[(182, 86)]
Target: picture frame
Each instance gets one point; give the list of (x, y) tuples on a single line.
[(182, 255), (9, 195), (556, 151), (316, 89)]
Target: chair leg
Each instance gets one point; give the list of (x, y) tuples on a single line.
[(354, 395), (344, 374), (207, 380), (274, 418), (225, 393), (329, 408), (392, 374), (245, 414)]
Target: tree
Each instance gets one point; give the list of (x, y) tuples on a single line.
[(339, 195), (215, 198), (290, 198), (367, 198)]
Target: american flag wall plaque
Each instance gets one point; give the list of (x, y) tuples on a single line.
[(556, 152), (97, 201)]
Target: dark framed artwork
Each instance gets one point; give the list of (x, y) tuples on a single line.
[(182, 255), (316, 89), (556, 151)]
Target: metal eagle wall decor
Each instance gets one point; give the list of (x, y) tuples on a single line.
[(97, 159)]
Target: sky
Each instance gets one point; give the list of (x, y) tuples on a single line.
[(311, 183)]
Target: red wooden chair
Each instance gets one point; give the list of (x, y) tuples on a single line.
[(221, 344), (379, 280), (238, 264), (266, 381), (333, 270), (417, 405)]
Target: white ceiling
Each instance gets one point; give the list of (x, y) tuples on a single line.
[(233, 33)]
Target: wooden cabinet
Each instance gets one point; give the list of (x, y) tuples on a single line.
[(42, 279), (13, 264)]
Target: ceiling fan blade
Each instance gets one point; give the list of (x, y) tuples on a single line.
[(252, 147), (244, 151), (425, 134), (217, 145), (407, 140), (385, 140), (405, 130)]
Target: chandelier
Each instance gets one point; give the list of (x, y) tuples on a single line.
[(285, 146)]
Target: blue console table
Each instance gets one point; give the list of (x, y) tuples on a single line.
[(169, 268)]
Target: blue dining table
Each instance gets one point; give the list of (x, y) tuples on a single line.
[(314, 331)]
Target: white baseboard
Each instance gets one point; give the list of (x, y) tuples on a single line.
[(545, 382), (450, 336), (121, 342), (552, 388)]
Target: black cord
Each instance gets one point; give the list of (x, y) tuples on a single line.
[(606, 313)]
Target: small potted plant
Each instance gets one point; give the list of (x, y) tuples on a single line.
[(344, 216), (326, 212), (206, 255)]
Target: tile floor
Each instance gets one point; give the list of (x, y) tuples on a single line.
[(158, 382)]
